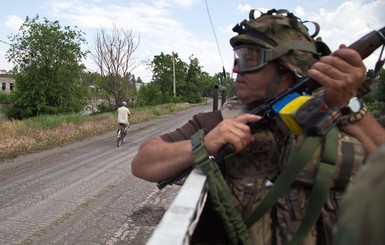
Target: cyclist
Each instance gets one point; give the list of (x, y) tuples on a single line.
[(123, 115)]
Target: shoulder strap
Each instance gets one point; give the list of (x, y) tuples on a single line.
[(224, 202), (286, 178), (321, 186)]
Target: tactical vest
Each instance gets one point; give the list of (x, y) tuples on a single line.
[(251, 173)]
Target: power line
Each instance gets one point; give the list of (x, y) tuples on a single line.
[(216, 40), (4, 42)]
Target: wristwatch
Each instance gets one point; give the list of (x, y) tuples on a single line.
[(355, 111), (353, 106)]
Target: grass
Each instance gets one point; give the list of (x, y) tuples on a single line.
[(45, 132)]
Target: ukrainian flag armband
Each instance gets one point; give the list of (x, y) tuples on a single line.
[(198, 147)]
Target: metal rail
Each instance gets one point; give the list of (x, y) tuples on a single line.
[(178, 223)]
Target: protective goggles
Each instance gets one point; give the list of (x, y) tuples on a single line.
[(249, 57)]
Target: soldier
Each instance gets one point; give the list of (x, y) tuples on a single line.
[(271, 53)]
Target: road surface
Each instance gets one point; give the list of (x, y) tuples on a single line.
[(84, 193)]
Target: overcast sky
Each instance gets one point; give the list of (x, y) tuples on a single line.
[(184, 27)]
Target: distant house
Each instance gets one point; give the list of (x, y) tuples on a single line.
[(7, 82)]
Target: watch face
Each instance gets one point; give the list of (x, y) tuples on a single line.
[(355, 105)]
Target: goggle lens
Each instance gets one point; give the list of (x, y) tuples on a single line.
[(249, 58)]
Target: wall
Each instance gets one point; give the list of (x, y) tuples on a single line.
[(7, 83)]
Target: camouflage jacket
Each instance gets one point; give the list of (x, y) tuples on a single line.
[(251, 173)]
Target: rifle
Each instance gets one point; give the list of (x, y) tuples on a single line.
[(365, 46)]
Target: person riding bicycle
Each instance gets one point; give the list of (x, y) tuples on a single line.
[(123, 115)]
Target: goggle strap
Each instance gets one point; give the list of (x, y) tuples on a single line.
[(281, 49)]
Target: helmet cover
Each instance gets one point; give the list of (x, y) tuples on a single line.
[(284, 34)]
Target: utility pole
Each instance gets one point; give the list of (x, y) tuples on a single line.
[(173, 73)]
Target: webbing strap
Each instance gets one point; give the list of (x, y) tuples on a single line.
[(346, 167), (283, 48), (225, 205), (321, 186), (272, 89), (296, 162), (220, 194)]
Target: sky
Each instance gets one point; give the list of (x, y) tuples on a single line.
[(198, 28)]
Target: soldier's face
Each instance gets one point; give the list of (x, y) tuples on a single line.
[(253, 86)]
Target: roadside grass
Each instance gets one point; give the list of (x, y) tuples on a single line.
[(44, 132)]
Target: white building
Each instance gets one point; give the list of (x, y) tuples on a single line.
[(7, 82)]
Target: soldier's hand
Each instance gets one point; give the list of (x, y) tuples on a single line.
[(230, 131), (341, 74)]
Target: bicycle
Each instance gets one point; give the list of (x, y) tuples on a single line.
[(121, 135)]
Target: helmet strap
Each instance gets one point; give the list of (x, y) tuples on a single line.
[(272, 90), (284, 48)]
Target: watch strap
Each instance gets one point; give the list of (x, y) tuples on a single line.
[(347, 109), (353, 118)]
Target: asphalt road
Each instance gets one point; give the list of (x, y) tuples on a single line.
[(84, 193)]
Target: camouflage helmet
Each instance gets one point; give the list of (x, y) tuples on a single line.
[(283, 35)]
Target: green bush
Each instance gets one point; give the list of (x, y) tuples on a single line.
[(5, 98)]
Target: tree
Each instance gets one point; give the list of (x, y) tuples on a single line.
[(378, 106), (376, 98), (192, 83), (195, 82), (162, 75), (149, 94), (48, 65), (113, 54)]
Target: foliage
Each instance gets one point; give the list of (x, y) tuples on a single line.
[(191, 83), (163, 77), (5, 98), (47, 66), (104, 107), (150, 94), (198, 83), (376, 98), (380, 95), (376, 108)]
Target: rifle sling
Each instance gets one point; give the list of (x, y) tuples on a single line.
[(220, 194), (224, 202)]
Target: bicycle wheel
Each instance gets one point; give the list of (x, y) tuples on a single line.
[(120, 137)]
